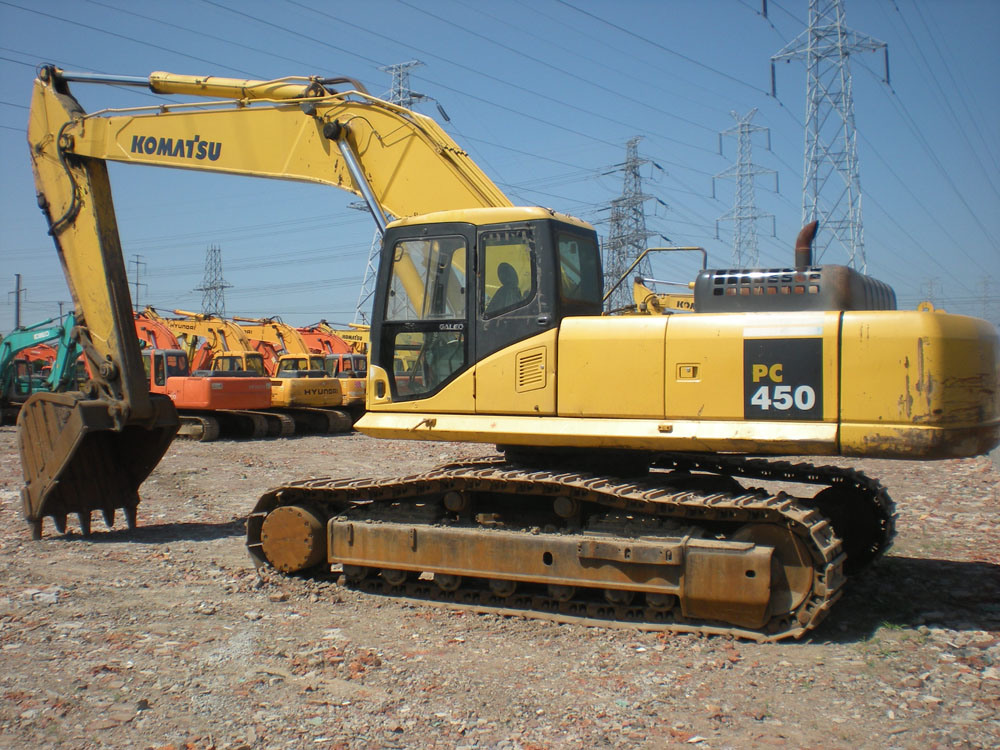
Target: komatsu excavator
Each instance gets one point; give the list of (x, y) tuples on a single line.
[(629, 441), (355, 335)]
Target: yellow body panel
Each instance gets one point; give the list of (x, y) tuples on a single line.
[(791, 438), (924, 384), (318, 392), (612, 367), (705, 360), (457, 397), (352, 391), (520, 379), (893, 385)]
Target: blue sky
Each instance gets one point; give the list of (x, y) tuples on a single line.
[(544, 94)]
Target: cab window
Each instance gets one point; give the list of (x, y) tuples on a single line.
[(507, 275), (580, 280), (159, 376), (427, 286), (428, 280), (255, 364), (176, 365)]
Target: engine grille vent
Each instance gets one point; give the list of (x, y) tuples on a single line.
[(530, 370)]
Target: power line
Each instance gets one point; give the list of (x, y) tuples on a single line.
[(118, 36), (669, 51)]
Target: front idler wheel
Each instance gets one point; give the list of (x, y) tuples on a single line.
[(293, 538), (791, 566)]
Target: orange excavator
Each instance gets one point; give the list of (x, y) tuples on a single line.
[(208, 404)]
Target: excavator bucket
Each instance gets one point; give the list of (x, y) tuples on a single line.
[(75, 459)]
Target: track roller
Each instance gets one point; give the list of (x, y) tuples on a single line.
[(502, 588), (447, 581), (396, 577)]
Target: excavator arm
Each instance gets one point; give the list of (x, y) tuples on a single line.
[(284, 337), (219, 334), (85, 451)]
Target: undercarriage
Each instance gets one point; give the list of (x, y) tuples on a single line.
[(683, 547)]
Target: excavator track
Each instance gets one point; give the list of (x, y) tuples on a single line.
[(859, 507), (655, 553)]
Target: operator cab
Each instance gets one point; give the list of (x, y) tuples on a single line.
[(457, 286), (164, 363), (246, 364), (305, 366), (346, 365)]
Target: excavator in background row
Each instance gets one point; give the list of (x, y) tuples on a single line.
[(295, 354), (355, 335), (631, 443), (301, 400), (344, 359), (209, 404), (18, 375)]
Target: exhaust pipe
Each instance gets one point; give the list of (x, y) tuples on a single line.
[(803, 245)]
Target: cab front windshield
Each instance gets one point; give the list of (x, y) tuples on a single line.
[(346, 365), (427, 294), (288, 364), (250, 363)]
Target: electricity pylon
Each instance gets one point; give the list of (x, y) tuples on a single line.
[(831, 191), (399, 93), (744, 213), (627, 234), (213, 287)]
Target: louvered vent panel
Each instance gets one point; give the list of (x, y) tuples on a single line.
[(530, 370)]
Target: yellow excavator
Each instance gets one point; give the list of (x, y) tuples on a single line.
[(294, 355), (631, 443)]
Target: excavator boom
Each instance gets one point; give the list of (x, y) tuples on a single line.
[(312, 135)]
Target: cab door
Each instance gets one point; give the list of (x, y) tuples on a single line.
[(422, 311), (516, 326)]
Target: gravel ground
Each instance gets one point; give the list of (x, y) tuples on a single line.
[(167, 638)]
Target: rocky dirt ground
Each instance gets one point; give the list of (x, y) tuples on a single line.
[(167, 638)]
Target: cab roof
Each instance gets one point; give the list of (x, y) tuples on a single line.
[(492, 215)]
